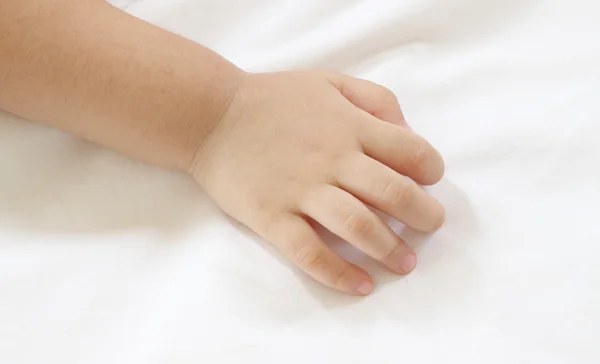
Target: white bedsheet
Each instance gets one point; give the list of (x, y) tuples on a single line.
[(105, 260)]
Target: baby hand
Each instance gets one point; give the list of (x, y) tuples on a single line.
[(295, 147)]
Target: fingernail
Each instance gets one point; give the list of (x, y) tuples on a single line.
[(409, 263), (365, 287)]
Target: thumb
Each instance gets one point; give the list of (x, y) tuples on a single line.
[(370, 97)]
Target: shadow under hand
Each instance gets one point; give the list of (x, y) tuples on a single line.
[(444, 272), (53, 183), (446, 275)]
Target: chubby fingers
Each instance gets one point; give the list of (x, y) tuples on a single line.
[(388, 191), (399, 148), (297, 240), (344, 215)]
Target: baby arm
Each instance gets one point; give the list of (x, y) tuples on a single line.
[(276, 151), (88, 68)]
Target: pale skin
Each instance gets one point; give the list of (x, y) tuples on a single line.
[(277, 151)]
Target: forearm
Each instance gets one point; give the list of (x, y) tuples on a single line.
[(89, 69)]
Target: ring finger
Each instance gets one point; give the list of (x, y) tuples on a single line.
[(390, 192), (344, 215)]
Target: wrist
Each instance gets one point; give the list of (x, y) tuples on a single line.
[(226, 82)]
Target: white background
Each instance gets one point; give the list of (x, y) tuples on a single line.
[(105, 260)]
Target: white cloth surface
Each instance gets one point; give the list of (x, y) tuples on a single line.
[(106, 260)]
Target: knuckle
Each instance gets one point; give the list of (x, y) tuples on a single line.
[(397, 193), (421, 155), (309, 258), (357, 223), (338, 277), (389, 255), (386, 95)]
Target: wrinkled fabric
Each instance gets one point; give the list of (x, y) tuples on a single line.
[(106, 260)]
